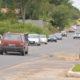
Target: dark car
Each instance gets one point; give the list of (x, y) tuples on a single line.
[(14, 42), (52, 38)]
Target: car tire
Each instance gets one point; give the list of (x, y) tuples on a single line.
[(1, 52), (73, 37), (55, 40), (5, 52), (45, 43), (38, 44), (26, 52), (23, 53)]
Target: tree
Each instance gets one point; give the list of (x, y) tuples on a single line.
[(59, 12), (63, 15), (22, 5)]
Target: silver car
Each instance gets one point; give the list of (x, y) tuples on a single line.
[(76, 35), (34, 39), (43, 39)]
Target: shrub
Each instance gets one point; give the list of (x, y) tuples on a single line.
[(7, 25)]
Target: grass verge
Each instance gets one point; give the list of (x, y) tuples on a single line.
[(76, 68), (8, 26)]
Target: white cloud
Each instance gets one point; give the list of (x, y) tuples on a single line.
[(76, 3)]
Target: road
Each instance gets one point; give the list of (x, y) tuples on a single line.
[(67, 46), (41, 62)]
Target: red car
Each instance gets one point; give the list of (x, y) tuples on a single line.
[(14, 42)]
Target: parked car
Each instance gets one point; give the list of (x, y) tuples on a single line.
[(58, 36), (71, 30), (52, 38), (43, 39), (76, 35), (34, 39), (64, 33), (14, 42)]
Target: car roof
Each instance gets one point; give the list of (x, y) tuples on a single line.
[(14, 33), (33, 34)]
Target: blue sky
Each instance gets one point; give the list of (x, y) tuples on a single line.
[(76, 3)]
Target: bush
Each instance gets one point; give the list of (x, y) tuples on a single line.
[(76, 68), (8, 26)]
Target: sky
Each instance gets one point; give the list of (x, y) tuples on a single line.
[(76, 3)]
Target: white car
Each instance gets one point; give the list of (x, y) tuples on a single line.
[(43, 39), (76, 35), (34, 39)]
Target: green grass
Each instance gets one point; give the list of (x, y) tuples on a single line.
[(76, 68), (8, 26)]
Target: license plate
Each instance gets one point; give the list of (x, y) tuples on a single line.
[(32, 42), (11, 45)]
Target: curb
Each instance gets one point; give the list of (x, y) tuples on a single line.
[(73, 74)]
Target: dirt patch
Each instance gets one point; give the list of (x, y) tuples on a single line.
[(45, 74), (67, 57)]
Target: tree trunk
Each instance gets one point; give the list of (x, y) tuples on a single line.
[(23, 12), (23, 16)]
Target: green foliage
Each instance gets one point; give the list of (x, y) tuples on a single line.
[(6, 26), (60, 13), (63, 15), (76, 68)]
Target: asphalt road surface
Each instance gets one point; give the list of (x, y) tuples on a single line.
[(68, 46)]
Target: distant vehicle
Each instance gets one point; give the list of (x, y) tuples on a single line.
[(34, 39), (52, 38), (64, 33), (71, 30), (43, 39), (14, 42), (58, 36), (76, 35)]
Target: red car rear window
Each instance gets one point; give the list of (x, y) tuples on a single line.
[(12, 37)]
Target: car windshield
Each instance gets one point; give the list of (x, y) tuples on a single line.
[(12, 37), (77, 33), (33, 36), (58, 34)]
